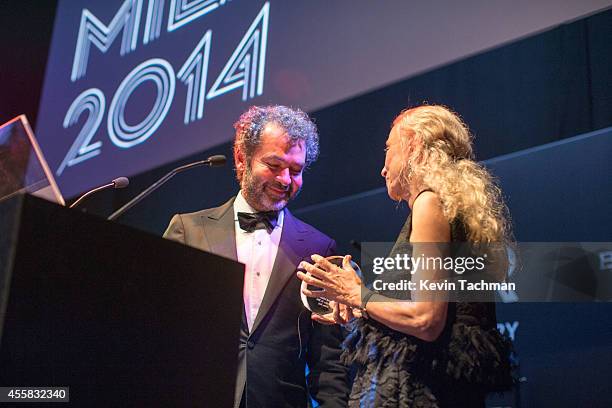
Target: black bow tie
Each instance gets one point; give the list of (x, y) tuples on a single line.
[(261, 220)]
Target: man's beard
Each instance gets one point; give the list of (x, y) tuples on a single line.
[(253, 189)]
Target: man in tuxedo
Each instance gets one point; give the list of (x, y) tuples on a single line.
[(272, 147)]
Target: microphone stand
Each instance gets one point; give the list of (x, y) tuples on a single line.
[(95, 190), (120, 182), (155, 186)]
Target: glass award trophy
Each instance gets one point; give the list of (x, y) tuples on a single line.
[(320, 305), (23, 168)]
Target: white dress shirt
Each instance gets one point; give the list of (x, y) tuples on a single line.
[(257, 250)]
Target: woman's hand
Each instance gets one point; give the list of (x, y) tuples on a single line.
[(341, 314), (341, 285)]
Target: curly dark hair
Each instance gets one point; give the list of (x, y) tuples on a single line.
[(295, 122)]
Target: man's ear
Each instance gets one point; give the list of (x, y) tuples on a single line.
[(240, 162)]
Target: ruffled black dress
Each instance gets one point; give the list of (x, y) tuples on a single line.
[(468, 360)]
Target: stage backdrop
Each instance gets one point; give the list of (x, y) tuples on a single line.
[(133, 84)]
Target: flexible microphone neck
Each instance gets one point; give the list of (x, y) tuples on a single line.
[(120, 182), (212, 161)]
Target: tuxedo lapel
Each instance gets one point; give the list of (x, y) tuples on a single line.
[(220, 231), (290, 252)]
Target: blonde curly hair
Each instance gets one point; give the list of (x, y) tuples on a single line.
[(439, 156)]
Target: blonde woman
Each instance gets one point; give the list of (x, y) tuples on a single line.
[(429, 353)]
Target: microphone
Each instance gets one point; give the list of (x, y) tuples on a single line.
[(213, 161), (217, 160), (119, 182)]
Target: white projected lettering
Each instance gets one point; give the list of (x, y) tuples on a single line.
[(183, 11), (153, 22), (193, 73), (93, 31), (158, 71), (244, 70), (246, 66), (91, 100)]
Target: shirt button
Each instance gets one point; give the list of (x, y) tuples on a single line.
[(257, 273), (259, 243)]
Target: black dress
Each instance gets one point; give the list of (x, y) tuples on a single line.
[(469, 359)]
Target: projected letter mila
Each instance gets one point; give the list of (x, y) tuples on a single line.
[(183, 12), (243, 72), (93, 31), (153, 22)]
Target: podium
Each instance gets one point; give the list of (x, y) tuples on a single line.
[(122, 317)]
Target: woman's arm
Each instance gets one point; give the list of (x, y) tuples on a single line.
[(424, 319)]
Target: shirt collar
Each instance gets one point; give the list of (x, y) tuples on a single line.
[(241, 205)]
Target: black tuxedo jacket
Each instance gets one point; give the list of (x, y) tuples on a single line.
[(273, 355)]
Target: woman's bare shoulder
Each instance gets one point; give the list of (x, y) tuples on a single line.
[(429, 224)]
